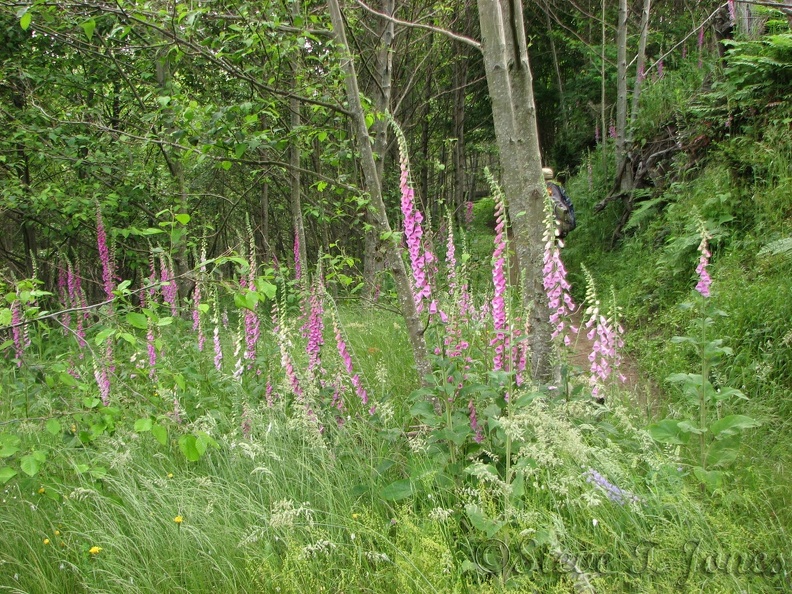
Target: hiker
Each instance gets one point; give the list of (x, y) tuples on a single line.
[(562, 205)]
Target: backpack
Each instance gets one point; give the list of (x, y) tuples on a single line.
[(562, 209)]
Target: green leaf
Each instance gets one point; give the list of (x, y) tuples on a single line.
[(182, 218), (53, 426), (188, 445), (482, 522), (732, 425), (267, 288), (669, 431), (88, 27), (129, 338), (225, 165), (724, 451), (29, 465), (6, 474), (24, 22), (137, 320), (9, 445), (712, 479), (397, 490), (68, 380), (160, 434), (142, 425), (104, 335)]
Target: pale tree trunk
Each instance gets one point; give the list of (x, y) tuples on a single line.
[(514, 113), (621, 85), (294, 161), (640, 61), (393, 256), (372, 261), (460, 82), (603, 122)]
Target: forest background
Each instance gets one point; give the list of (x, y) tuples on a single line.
[(264, 330)]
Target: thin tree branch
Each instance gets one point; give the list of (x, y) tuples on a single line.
[(455, 36)]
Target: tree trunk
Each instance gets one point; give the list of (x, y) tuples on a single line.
[(514, 113), (295, 121), (372, 262), (621, 85), (392, 250)]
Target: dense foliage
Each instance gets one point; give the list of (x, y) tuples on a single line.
[(192, 400)]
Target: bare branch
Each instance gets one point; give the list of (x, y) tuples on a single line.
[(450, 34)]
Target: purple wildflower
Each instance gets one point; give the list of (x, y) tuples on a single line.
[(170, 292), (613, 492), (104, 256), (468, 212), (16, 323), (315, 326), (705, 281), (612, 130), (474, 425), (347, 359), (196, 313), (499, 278), (556, 286), (413, 230), (103, 381)]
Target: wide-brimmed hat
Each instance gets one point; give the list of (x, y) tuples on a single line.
[(547, 172)]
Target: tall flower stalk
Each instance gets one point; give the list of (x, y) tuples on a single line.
[(606, 333), (420, 258), (556, 286), (105, 258), (196, 313), (501, 340)]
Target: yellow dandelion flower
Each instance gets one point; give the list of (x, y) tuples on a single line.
[(57, 533), (355, 516), (178, 519), (170, 475), (95, 550), (41, 491), (46, 541)]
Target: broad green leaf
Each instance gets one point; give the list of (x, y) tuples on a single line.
[(142, 425), (160, 434), (88, 28), (267, 288), (397, 490), (24, 22), (137, 320), (182, 218), (724, 451), (67, 379), (481, 521), (104, 335), (29, 465), (668, 431), (128, 337), (225, 165), (732, 425), (188, 446), (53, 426), (9, 445), (712, 479), (6, 474)]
